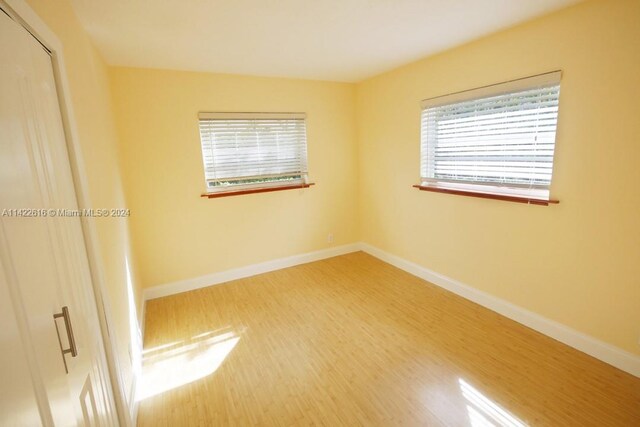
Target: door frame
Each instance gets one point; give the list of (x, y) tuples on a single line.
[(22, 13)]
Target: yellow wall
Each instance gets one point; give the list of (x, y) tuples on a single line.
[(577, 263), (91, 102), (179, 235)]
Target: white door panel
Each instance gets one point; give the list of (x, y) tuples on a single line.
[(17, 396), (30, 246)]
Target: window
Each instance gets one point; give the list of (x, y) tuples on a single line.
[(243, 151), (496, 140)]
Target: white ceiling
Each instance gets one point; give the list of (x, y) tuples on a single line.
[(340, 40)]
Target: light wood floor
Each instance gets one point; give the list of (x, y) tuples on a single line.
[(353, 341)]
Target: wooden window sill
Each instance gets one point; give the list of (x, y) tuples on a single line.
[(517, 199), (254, 190)]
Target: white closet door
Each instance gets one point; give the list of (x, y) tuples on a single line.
[(18, 401), (44, 259)]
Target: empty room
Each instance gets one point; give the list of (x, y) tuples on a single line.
[(320, 213)]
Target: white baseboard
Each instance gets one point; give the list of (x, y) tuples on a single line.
[(247, 271), (607, 353)]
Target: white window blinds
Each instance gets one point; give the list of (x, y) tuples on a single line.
[(496, 139), (253, 149)]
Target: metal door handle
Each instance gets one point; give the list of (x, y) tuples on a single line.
[(73, 350)]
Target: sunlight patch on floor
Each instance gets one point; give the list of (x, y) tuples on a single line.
[(483, 412), (173, 365), (160, 347)]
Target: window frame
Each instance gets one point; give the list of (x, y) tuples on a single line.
[(301, 180), (525, 193)]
